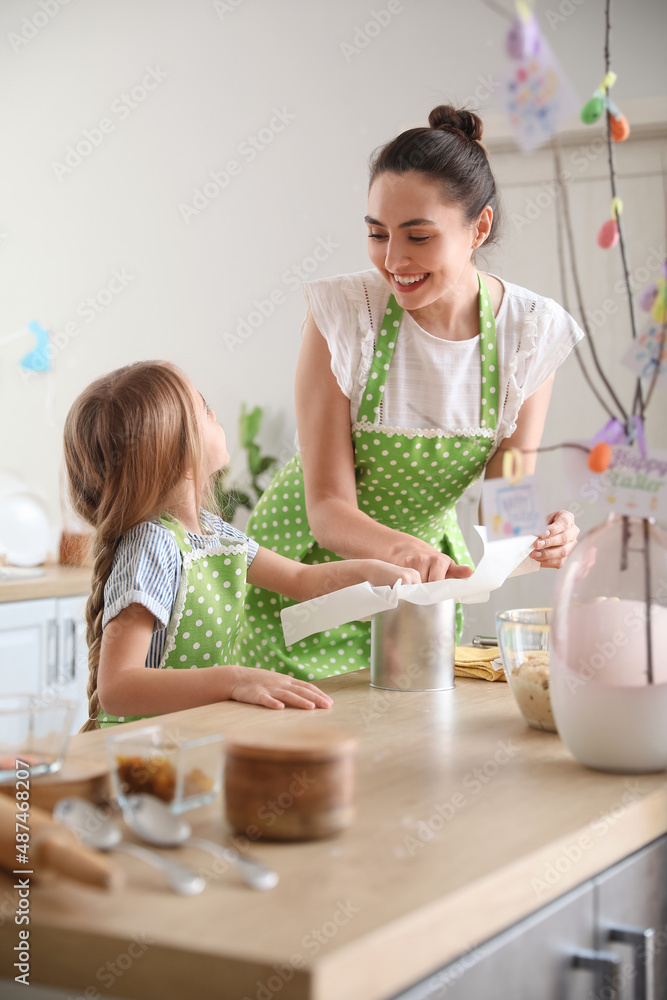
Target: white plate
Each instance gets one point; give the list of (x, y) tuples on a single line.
[(25, 534)]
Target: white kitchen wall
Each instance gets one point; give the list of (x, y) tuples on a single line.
[(223, 152)]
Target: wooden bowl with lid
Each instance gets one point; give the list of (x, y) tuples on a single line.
[(291, 785)]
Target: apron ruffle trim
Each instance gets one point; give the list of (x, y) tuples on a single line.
[(176, 615), (413, 432), (234, 549)]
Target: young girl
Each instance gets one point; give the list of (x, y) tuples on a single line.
[(169, 576)]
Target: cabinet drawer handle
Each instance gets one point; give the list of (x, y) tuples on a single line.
[(643, 953), (606, 963), (52, 652), (71, 632)]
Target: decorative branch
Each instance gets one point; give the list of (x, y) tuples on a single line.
[(656, 371), (647, 591), (663, 337), (577, 288), (563, 283), (638, 402), (499, 9)]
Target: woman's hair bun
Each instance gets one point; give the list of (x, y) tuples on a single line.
[(445, 116)]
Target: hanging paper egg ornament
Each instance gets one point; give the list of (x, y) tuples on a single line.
[(647, 298), (653, 298), (659, 310), (599, 457), (608, 235), (514, 41), (592, 109), (618, 123), (619, 127), (523, 38)]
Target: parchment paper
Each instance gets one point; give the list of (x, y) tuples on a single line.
[(501, 559)]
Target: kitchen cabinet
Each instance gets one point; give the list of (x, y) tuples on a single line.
[(632, 920), (28, 646), (470, 827), (537, 956), (43, 650), (567, 951), (532, 959), (72, 662)]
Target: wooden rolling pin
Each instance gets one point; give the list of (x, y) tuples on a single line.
[(54, 848)]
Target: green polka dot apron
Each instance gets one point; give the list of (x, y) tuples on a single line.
[(408, 479), (207, 612)]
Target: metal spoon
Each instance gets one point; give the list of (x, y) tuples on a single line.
[(99, 831), (154, 822)]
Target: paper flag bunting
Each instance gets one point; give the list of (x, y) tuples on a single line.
[(642, 355), (537, 97), (38, 359)]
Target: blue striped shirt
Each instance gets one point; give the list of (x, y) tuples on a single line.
[(146, 569)]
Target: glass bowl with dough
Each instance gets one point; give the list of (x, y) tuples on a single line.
[(523, 638)]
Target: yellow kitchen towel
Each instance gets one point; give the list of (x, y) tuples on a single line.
[(471, 661)]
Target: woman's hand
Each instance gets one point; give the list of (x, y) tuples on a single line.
[(555, 544), (429, 563), (255, 686)]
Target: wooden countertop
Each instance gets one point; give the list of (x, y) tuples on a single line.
[(467, 822), (57, 581)]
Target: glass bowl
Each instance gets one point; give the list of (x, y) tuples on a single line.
[(35, 731), (609, 635), (524, 638), (183, 771)]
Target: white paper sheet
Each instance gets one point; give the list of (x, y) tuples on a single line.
[(501, 559)]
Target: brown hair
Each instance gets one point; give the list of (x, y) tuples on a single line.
[(129, 440), (449, 151)]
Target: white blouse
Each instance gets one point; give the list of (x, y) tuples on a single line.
[(435, 383)]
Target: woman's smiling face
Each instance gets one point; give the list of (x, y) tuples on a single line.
[(420, 244)]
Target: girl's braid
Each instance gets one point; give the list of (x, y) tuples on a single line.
[(103, 553)]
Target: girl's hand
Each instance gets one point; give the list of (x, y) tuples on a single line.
[(382, 574), (255, 686), (302, 582), (429, 563), (557, 541)]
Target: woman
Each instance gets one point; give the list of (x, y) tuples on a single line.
[(412, 379)]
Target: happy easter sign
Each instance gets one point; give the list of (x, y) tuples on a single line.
[(633, 484)]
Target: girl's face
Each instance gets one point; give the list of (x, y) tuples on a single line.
[(420, 244), (216, 455)]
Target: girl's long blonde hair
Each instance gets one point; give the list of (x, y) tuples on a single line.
[(130, 439)]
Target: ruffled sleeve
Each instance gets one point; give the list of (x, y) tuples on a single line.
[(547, 334), (341, 307), (145, 570)]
